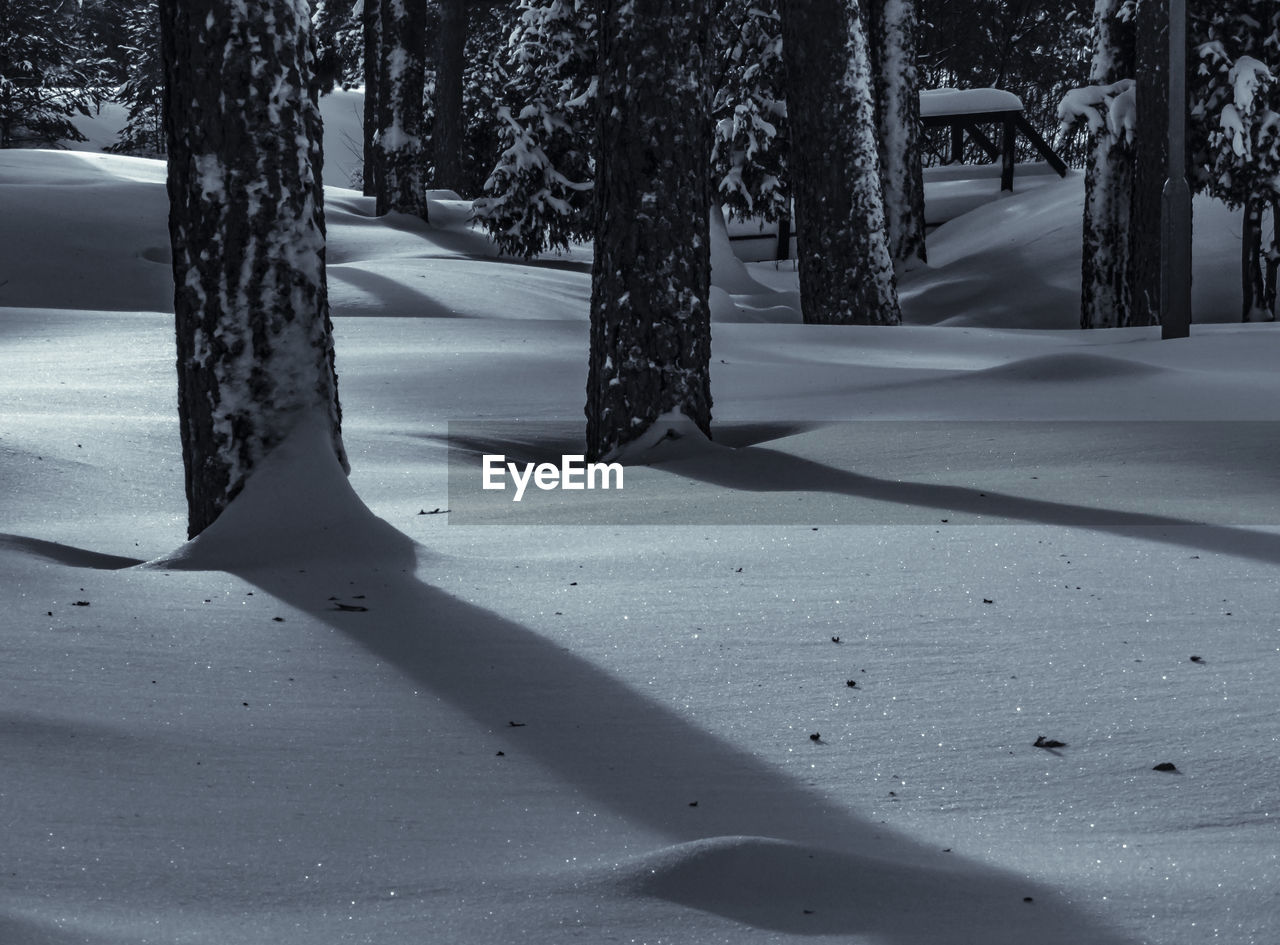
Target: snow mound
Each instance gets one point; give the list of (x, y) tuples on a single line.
[(100, 218), (727, 270), (950, 101), (1066, 367), (297, 508), (786, 886), (670, 436), (1032, 240)]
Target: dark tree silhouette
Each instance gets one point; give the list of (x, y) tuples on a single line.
[(846, 273), (246, 223), (650, 314), (449, 126)]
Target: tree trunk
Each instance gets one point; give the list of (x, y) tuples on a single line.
[(1251, 275), (846, 272), (1105, 272), (1151, 163), (398, 146), (1273, 264), (1108, 188), (371, 26), (246, 223), (650, 311), (891, 37), (447, 129)]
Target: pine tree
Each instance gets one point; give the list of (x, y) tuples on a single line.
[(143, 88), (398, 146), (448, 127), (485, 83), (104, 36), (246, 223), (891, 34), (46, 76), (1236, 124), (1106, 107), (339, 40), (1150, 149), (539, 196), (846, 272), (371, 41), (651, 278), (749, 150)]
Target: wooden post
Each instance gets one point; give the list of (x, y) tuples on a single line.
[(957, 143), (784, 237), (1175, 200)]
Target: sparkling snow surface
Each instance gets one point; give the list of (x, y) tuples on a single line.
[(335, 719)]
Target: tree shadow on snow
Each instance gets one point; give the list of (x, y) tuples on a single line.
[(759, 847), (66, 554), (757, 469), (357, 292)]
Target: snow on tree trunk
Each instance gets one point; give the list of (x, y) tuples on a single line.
[(447, 128), (1104, 296), (891, 37), (246, 222), (371, 31), (1252, 278), (846, 272), (1273, 261), (398, 146), (650, 311)]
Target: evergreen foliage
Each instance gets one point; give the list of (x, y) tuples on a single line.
[(1235, 108), (339, 44), (749, 150), (485, 86), (142, 90), (1233, 147), (46, 74), (538, 197)]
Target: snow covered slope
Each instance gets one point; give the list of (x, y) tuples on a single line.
[(339, 718)]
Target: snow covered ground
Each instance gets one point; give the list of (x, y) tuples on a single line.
[(335, 718)]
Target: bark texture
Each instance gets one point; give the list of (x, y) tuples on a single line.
[(447, 129), (246, 223), (1150, 157), (398, 144), (891, 40), (846, 272), (1105, 300), (650, 314), (371, 29)]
